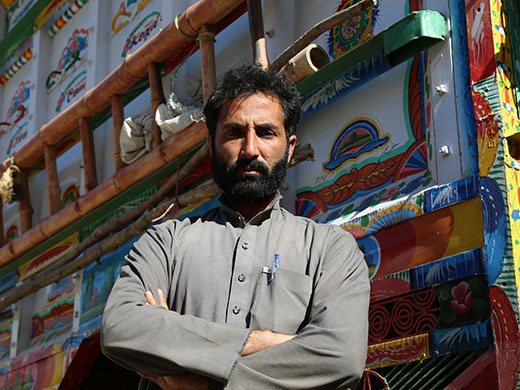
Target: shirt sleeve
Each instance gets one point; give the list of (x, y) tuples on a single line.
[(330, 351), (145, 338)]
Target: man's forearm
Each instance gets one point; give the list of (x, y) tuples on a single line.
[(259, 340)]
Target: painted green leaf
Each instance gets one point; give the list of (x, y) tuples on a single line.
[(449, 316), (445, 293)]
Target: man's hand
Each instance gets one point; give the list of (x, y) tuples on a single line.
[(188, 381), (259, 340)]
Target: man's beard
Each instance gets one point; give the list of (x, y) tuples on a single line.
[(249, 188)]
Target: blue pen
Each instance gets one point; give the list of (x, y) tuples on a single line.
[(276, 265)]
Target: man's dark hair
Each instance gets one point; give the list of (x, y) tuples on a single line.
[(247, 80)]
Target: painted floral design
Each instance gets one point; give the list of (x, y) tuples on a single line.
[(463, 302), (461, 298)]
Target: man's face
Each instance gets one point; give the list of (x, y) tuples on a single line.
[(250, 149)]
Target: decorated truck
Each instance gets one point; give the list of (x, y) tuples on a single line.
[(410, 112)]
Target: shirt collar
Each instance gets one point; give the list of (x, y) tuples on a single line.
[(236, 219)]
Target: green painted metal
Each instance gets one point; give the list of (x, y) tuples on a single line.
[(513, 16), (21, 32), (100, 212), (448, 371), (414, 33), (433, 374)]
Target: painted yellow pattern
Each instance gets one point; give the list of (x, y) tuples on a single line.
[(502, 46), (400, 351), (511, 124), (48, 257)]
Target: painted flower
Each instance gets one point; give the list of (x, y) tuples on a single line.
[(74, 46), (461, 298), (391, 192)]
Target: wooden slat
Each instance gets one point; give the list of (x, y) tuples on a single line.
[(53, 185), (157, 96), (89, 155), (118, 116), (207, 58), (256, 28), (24, 205)]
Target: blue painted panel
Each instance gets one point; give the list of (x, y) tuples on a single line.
[(9, 280), (98, 280), (450, 268), (445, 195), (494, 209), (463, 338)]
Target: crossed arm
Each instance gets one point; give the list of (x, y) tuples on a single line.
[(328, 352), (257, 341)]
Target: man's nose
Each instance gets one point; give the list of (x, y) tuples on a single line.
[(250, 146)]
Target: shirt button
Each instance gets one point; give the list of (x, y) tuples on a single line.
[(241, 277), (245, 246), (236, 309)]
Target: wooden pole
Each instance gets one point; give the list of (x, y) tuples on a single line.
[(133, 68), (24, 205), (118, 116), (53, 185), (207, 59), (256, 29), (157, 96), (169, 150), (61, 268), (318, 29), (89, 155)]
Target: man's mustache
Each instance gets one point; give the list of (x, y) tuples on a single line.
[(249, 164)]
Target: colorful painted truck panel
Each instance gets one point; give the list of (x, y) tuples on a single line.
[(415, 128)]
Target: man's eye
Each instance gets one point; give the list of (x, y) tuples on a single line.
[(266, 133), (234, 133)]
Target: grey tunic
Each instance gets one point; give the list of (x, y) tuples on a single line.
[(216, 275)]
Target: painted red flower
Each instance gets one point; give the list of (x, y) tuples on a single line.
[(462, 299), (391, 192)]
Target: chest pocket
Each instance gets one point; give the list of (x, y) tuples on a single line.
[(281, 306)]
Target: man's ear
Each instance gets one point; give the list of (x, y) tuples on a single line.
[(292, 146)]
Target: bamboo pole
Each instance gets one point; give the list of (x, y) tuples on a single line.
[(207, 58), (24, 205), (169, 150), (113, 226), (118, 116), (305, 63), (318, 29), (58, 271), (157, 96), (256, 29), (53, 184), (89, 154), (156, 49)]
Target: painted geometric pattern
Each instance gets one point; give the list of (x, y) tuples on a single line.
[(407, 315)]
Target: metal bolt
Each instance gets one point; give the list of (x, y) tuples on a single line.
[(269, 33), (441, 89), (445, 151)]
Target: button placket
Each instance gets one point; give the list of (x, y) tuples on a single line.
[(240, 283)]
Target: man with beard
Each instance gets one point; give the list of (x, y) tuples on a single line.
[(247, 296)]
